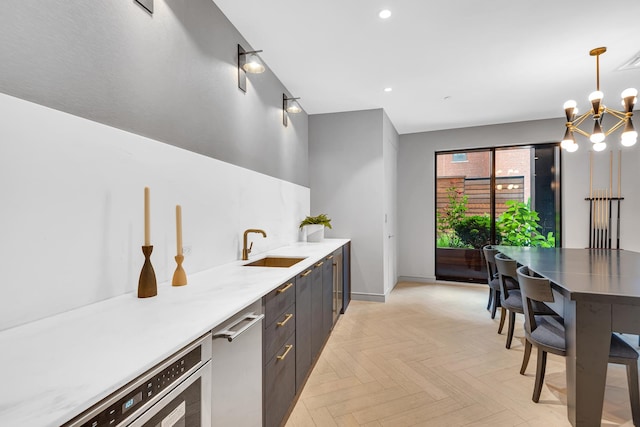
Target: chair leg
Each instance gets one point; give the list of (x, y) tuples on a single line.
[(525, 357), (634, 392), (496, 303), (542, 366), (490, 298), (503, 314), (512, 321)]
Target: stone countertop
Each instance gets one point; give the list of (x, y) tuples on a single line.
[(55, 368)]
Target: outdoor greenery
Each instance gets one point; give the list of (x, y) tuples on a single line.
[(517, 226), (475, 230), (451, 216)]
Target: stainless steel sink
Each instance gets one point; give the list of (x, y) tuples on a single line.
[(272, 261)]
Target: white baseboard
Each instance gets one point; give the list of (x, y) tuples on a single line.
[(417, 279), (359, 296)]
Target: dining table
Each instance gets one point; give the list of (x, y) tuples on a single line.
[(600, 291)]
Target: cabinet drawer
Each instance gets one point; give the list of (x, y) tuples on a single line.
[(280, 383), (278, 332), (278, 300)]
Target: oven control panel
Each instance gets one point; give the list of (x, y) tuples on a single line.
[(125, 402)]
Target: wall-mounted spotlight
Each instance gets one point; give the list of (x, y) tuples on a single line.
[(289, 106), (248, 62)]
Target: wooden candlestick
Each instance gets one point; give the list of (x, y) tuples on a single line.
[(147, 285), (179, 276)]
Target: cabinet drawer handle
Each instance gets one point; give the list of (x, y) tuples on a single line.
[(319, 264), (306, 273), (330, 257), (288, 285), (287, 317), (288, 349)]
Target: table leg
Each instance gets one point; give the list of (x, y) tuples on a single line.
[(588, 334)]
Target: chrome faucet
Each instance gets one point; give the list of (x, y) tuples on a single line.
[(246, 251)]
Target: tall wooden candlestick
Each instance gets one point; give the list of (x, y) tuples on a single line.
[(179, 276), (147, 285)]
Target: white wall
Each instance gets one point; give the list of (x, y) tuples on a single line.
[(346, 175), (416, 177), (390, 143), (71, 222)]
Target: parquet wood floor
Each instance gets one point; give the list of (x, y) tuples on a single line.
[(431, 356)]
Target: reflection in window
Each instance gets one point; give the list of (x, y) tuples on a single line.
[(459, 157)]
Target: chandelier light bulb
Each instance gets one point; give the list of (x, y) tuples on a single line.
[(566, 143), (629, 137), (629, 99), (570, 104), (599, 146), (596, 96), (568, 139), (572, 148), (597, 135)]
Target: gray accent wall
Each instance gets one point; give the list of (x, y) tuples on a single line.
[(170, 76), (348, 176)]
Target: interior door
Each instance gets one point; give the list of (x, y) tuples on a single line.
[(390, 155)]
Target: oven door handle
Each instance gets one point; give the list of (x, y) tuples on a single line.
[(230, 334), (204, 374)]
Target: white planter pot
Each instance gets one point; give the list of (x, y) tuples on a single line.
[(314, 232)]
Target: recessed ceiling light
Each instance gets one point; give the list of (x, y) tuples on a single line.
[(384, 14), (388, 89)]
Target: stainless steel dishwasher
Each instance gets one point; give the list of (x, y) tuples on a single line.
[(236, 382)]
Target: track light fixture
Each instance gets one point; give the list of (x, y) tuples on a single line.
[(598, 110), (248, 62), (289, 106)]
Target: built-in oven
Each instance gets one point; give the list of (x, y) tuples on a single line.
[(175, 393)]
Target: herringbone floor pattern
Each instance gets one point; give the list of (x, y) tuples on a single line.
[(431, 356)]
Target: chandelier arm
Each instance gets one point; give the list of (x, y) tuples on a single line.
[(615, 127), (577, 122), (580, 131), (618, 114)]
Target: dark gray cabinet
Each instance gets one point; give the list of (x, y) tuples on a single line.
[(304, 357), (346, 277), (317, 318), (279, 351), (299, 316), (328, 277)]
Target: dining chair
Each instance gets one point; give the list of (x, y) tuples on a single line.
[(510, 296), (493, 281), (548, 335)]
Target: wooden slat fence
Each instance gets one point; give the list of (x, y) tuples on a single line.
[(477, 192)]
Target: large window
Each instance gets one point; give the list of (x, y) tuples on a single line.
[(506, 196)]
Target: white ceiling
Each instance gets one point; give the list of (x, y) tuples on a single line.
[(451, 63)]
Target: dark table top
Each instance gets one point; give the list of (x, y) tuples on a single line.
[(584, 273)]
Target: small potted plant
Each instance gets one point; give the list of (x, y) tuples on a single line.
[(314, 227)]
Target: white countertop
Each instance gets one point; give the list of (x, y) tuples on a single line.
[(55, 368)]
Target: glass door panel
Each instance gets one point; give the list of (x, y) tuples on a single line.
[(463, 199), (504, 196)]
